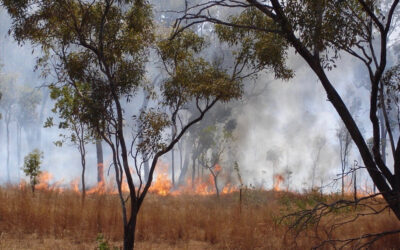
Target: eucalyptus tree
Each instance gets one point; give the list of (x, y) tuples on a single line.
[(78, 133), (26, 115), (97, 51), (8, 104), (319, 31)]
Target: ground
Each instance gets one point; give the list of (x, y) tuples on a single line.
[(59, 220)]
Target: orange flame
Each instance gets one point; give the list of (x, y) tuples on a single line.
[(162, 185), (278, 179), (43, 181)]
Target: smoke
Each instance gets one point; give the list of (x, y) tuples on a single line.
[(287, 117)]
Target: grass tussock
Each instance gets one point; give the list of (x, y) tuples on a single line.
[(54, 220)]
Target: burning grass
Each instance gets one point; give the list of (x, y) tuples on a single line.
[(51, 219)]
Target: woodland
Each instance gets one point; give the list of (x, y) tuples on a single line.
[(193, 124)]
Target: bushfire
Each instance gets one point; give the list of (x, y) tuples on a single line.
[(163, 186)]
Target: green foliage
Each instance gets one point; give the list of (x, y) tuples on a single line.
[(191, 76), (31, 167), (391, 84), (102, 243), (264, 50), (152, 125), (321, 27), (95, 44)]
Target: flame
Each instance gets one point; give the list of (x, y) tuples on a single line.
[(162, 184), (75, 185), (100, 188), (278, 179), (43, 181)]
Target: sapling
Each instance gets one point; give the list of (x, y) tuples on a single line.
[(31, 167)]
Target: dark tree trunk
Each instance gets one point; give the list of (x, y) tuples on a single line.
[(129, 232), (216, 184), (387, 183)]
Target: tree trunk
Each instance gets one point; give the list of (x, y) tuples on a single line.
[(216, 185), (129, 232), (100, 164), (184, 169), (8, 147), (355, 184), (383, 138), (46, 95), (173, 168), (83, 161), (19, 130), (193, 171)]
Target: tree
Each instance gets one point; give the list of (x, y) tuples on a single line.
[(98, 51), (79, 134), (8, 105), (31, 167), (213, 142), (26, 114), (100, 162), (344, 138), (319, 31), (318, 143)]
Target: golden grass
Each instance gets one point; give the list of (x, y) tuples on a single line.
[(53, 220)]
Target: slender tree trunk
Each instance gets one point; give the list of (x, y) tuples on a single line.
[(100, 163), (184, 169), (216, 184), (41, 117), (355, 184), (173, 168), (19, 130), (383, 137), (83, 160), (193, 170), (8, 148), (180, 156), (198, 170)]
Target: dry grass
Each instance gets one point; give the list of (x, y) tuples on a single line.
[(52, 220)]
